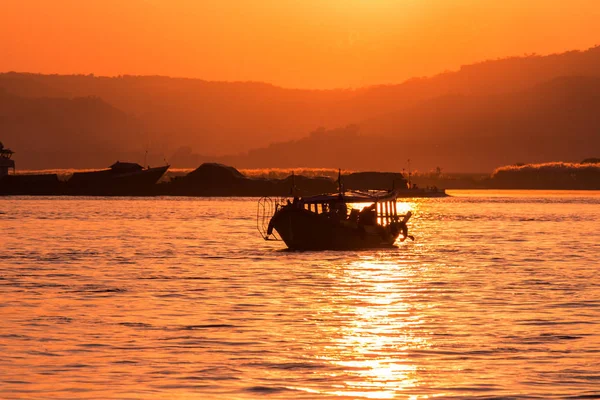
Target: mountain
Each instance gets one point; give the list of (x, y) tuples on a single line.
[(65, 133), (211, 117), (186, 120), (559, 119)]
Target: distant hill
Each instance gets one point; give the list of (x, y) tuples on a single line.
[(210, 117), (436, 121), (63, 133), (556, 120)]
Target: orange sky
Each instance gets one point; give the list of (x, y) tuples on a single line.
[(301, 43)]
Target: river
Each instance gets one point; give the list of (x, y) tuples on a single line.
[(156, 298)]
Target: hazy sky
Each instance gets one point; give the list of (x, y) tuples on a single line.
[(303, 43)]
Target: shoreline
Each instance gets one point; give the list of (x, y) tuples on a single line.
[(452, 193), (217, 180)]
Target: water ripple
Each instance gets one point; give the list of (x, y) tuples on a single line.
[(173, 297)]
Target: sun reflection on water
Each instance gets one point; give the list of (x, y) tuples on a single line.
[(404, 207), (377, 333)]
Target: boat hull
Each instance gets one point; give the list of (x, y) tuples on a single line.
[(303, 230), (109, 182)]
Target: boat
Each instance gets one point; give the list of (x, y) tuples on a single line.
[(119, 177), (5, 160), (339, 221), (417, 192)]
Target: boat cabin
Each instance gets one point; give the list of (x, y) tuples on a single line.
[(372, 208)]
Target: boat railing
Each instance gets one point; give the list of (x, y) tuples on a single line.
[(387, 212), (267, 207)]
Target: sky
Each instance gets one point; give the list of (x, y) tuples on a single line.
[(316, 44)]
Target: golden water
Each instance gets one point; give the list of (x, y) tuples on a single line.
[(162, 298)]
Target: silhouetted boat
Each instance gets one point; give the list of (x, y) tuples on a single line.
[(121, 176), (323, 222), (5, 162), (421, 192)]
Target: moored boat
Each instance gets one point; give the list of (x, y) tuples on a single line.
[(120, 177)]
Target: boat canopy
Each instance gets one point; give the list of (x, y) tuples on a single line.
[(126, 166), (5, 153), (352, 197)]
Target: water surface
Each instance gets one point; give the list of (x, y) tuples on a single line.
[(158, 298)]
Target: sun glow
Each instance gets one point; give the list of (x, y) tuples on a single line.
[(307, 44)]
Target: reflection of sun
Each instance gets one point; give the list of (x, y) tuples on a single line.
[(377, 334), (379, 379), (403, 208)]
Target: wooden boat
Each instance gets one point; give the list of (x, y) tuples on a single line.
[(121, 177), (341, 221)]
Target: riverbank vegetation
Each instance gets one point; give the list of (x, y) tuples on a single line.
[(553, 175)]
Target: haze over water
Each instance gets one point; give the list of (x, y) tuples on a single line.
[(180, 298)]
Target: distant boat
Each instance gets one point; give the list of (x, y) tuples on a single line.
[(416, 191), (5, 160), (323, 222), (118, 177)]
